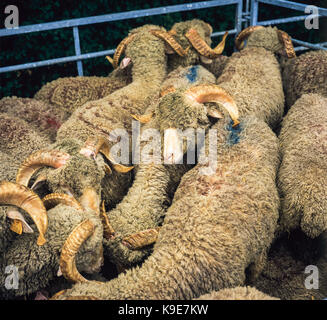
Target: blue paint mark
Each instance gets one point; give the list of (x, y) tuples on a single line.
[(234, 135), (192, 74)]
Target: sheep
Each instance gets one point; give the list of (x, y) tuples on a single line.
[(217, 226), (305, 74), (143, 208), (43, 118), (101, 117), (301, 178), (79, 171), (17, 140), (68, 94), (255, 72), (69, 228), (286, 275), (237, 293), (194, 35)]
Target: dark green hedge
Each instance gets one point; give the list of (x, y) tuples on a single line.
[(59, 43)]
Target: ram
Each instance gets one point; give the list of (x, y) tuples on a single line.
[(267, 104), (17, 140), (302, 175), (78, 137), (73, 237), (136, 218), (218, 225), (305, 74), (254, 73), (194, 36), (45, 119), (68, 94)]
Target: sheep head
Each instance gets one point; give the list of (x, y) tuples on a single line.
[(270, 38), (195, 34), (171, 45), (191, 104)]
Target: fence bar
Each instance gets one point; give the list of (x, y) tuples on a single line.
[(221, 33), (292, 5), (238, 17), (116, 17), (282, 20), (78, 50), (56, 61), (254, 12), (309, 45)]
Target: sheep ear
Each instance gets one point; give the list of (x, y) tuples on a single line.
[(205, 60), (214, 113), (169, 49), (19, 224), (59, 272), (40, 181), (125, 62)]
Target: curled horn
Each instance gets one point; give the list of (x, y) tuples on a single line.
[(37, 160), (287, 42), (71, 246), (168, 38), (90, 200), (24, 198), (108, 231), (120, 50), (214, 93), (202, 47), (96, 144), (141, 239), (244, 34), (51, 200)]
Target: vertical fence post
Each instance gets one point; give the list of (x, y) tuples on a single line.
[(239, 17), (254, 12), (78, 51)]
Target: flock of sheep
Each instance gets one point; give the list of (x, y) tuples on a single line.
[(70, 211)]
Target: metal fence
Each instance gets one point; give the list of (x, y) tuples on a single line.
[(243, 18)]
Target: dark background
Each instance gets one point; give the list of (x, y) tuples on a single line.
[(59, 43)]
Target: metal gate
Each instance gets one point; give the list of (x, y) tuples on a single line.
[(243, 17)]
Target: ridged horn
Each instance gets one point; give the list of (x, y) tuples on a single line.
[(96, 144), (70, 248), (37, 160), (243, 35), (286, 40), (108, 230), (166, 90), (169, 39), (213, 93), (90, 200), (202, 47), (143, 118), (141, 239), (120, 50), (53, 199), (24, 198)]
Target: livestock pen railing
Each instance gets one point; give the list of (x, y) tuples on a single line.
[(76, 23), (248, 16), (252, 17)]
